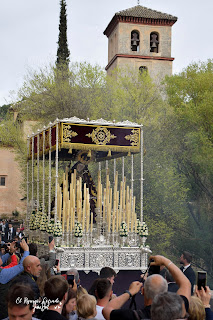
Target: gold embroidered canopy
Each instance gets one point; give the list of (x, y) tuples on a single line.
[(102, 139)]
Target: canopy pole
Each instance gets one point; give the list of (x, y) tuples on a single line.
[(56, 173), (38, 172), (43, 180), (50, 145)]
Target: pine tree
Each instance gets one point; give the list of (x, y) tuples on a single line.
[(63, 51)]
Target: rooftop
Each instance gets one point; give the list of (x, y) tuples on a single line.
[(140, 15), (143, 12)]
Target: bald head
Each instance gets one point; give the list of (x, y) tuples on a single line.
[(32, 265), (154, 285)]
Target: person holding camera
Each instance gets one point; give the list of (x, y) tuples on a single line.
[(6, 275), (154, 285)]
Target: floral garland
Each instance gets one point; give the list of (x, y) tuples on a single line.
[(143, 231), (78, 233), (32, 224), (50, 226), (123, 229), (57, 231)]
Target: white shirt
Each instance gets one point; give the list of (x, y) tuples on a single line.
[(99, 315), (185, 267)]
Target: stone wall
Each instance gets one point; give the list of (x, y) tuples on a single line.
[(10, 194)]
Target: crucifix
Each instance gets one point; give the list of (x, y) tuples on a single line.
[(138, 2)]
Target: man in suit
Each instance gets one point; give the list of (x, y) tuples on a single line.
[(10, 233), (185, 260)]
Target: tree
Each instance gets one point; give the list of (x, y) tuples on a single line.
[(62, 51), (190, 131), (4, 110), (46, 98)]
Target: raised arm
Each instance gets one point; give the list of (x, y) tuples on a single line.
[(179, 277), (118, 302)]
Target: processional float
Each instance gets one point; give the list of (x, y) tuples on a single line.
[(94, 222)]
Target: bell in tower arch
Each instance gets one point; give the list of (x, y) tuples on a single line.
[(154, 42), (135, 41)]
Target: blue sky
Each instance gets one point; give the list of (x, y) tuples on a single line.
[(29, 33)]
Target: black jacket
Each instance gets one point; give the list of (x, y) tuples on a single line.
[(27, 278), (190, 274)]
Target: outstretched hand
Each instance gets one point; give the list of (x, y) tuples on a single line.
[(24, 245), (204, 295), (135, 287), (157, 260)]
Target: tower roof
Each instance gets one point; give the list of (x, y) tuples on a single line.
[(140, 15)]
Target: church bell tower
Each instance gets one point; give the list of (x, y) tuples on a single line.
[(140, 38)]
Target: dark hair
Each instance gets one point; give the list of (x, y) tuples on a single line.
[(44, 275), (23, 293), (187, 255), (33, 249), (169, 277), (107, 272), (55, 288), (71, 295), (103, 286), (93, 288), (167, 305)]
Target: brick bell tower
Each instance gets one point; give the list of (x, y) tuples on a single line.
[(140, 38)]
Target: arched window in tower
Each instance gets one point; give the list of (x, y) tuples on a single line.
[(135, 40), (143, 69), (154, 42)]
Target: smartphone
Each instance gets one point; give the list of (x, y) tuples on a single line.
[(201, 279), (70, 279), (56, 262), (154, 270), (50, 239)]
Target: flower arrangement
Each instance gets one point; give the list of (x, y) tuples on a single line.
[(143, 230), (43, 223), (138, 223), (78, 230), (57, 231), (123, 229), (50, 226), (32, 224), (38, 217)]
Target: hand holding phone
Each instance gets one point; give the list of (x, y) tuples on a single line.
[(201, 279), (70, 279)]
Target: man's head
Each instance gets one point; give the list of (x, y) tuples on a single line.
[(17, 230), (74, 272), (10, 225), (103, 289), (153, 285), (108, 273), (56, 289), (186, 258), (32, 265), (17, 302), (167, 305)]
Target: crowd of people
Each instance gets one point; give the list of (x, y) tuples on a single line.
[(33, 287)]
